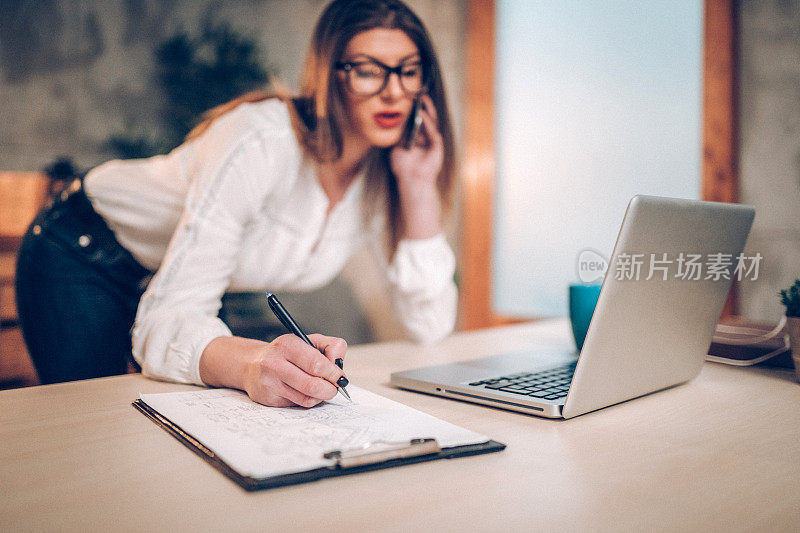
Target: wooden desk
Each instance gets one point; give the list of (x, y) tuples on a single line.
[(721, 453)]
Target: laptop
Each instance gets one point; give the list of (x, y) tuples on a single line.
[(651, 329)]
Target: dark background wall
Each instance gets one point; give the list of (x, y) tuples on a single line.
[(769, 134), (72, 74)]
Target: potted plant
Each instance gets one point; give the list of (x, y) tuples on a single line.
[(791, 299)]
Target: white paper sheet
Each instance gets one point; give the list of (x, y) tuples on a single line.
[(261, 441)]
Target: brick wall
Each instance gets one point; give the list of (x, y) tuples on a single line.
[(769, 133), (74, 73)]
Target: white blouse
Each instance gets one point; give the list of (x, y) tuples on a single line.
[(240, 208)]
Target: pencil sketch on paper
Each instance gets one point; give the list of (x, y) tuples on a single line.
[(287, 430), (262, 441)]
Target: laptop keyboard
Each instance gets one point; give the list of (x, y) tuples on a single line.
[(550, 384)]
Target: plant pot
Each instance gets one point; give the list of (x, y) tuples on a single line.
[(793, 328)]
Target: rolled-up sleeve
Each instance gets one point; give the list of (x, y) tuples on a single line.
[(178, 314), (422, 288)]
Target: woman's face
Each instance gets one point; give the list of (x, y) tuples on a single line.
[(379, 119)]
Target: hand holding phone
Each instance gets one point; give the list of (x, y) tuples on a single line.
[(413, 125), (416, 162)]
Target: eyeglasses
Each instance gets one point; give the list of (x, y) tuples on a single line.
[(370, 77)]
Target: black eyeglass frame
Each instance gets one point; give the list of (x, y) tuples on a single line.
[(347, 66)]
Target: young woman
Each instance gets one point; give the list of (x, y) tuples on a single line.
[(268, 193)]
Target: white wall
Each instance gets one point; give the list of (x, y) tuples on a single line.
[(597, 100)]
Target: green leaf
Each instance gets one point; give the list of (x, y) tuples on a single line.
[(791, 299)]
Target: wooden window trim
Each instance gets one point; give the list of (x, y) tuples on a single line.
[(720, 162), (719, 181)]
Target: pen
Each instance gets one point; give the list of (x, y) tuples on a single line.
[(290, 324)]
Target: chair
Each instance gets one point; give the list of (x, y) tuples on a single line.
[(22, 194)]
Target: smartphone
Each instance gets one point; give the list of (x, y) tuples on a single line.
[(413, 125)]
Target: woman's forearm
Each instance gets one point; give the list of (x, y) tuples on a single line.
[(280, 373)]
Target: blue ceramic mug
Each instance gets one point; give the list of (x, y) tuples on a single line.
[(582, 301)]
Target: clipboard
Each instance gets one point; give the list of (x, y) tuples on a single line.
[(373, 456)]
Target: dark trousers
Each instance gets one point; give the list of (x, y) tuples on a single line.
[(77, 292)]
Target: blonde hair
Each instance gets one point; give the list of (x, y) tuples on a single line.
[(319, 111)]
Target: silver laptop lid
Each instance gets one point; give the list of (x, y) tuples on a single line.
[(649, 334)]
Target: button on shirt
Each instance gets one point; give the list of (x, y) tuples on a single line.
[(240, 208)]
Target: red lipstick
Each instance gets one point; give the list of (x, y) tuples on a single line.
[(388, 119)]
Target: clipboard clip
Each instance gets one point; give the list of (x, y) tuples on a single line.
[(381, 450)]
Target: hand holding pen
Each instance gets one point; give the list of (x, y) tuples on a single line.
[(286, 319), (285, 372)]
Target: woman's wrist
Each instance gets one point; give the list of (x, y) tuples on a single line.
[(225, 361), (421, 210)]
